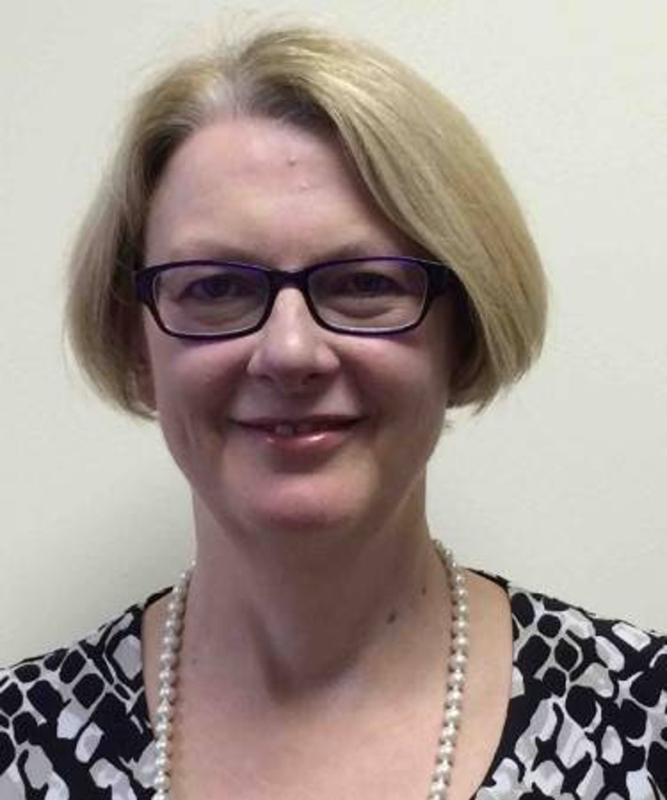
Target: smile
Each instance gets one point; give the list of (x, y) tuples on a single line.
[(286, 429)]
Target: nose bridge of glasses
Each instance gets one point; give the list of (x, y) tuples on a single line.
[(286, 279), (280, 279)]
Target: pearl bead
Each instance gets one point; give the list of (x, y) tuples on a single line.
[(460, 625), (173, 630), (458, 660), (163, 728), (165, 710), (162, 782), (166, 675), (449, 732), (444, 771), (167, 692), (460, 593), (446, 751), (168, 658), (461, 610), (171, 642), (457, 679), (163, 746), (454, 697)]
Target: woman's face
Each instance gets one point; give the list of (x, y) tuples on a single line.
[(263, 192)]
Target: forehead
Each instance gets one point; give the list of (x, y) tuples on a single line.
[(252, 148), (260, 182)]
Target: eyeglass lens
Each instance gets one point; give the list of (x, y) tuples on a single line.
[(225, 298)]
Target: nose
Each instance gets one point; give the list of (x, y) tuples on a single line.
[(291, 350)]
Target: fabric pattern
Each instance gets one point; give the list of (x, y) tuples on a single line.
[(587, 719)]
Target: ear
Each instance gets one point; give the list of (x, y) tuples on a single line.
[(463, 356), (144, 386)]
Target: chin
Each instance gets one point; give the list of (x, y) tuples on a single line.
[(305, 513), (302, 506)]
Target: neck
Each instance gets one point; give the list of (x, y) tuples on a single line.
[(288, 615)]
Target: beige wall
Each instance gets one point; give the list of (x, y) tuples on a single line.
[(561, 486)]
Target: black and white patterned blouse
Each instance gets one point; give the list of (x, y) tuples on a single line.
[(587, 718)]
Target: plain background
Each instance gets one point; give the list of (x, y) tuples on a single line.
[(560, 486)]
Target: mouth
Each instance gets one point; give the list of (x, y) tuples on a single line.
[(288, 429)]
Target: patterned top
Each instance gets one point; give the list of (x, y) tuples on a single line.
[(587, 719)]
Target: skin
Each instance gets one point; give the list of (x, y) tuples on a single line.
[(316, 585)]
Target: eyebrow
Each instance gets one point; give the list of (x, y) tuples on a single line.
[(221, 251)]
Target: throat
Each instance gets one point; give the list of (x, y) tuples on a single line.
[(290, 634)]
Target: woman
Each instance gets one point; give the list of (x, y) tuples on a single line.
[(302, 258)]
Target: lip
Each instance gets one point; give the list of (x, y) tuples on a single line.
[(325, 433), (316, 421)]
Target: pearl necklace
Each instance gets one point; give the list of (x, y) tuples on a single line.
[(456, 678)]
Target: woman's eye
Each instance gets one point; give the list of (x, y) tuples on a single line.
[(369, 283), (217, 287)]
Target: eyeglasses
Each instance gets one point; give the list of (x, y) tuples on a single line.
[(208, 300)]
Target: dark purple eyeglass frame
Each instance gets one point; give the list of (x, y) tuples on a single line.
[(440, 278)]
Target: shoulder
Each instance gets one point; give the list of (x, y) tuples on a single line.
[(71, 717), (569, 648), (589, 701)]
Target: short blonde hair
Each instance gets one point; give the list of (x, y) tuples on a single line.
[(420, 158)]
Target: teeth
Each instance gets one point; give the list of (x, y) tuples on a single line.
[(290, 429)]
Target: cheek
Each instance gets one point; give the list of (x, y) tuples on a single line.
[(421, 389), (194, 385), (410, 373), (187, 372)]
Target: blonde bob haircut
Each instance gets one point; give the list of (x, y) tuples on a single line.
[(420, 158)]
